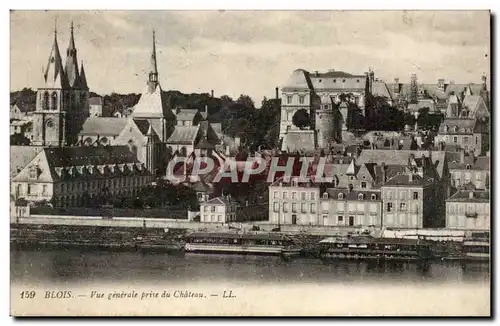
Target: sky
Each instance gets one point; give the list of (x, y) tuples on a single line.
[(251, 52)]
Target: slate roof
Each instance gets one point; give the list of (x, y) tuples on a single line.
[(463, 196), (20, 156), (186, 115), (183, 135), (217, 201), (80, 156), (400, 157), (424, 103), (403, 180), (461, 124), (153, 105), (299, 79), (333, 193), (95, 101), (481, 163), (103, 126), (143, 125)]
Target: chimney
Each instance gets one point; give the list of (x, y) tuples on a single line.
[(462, 156), (384, 177), (212, 93), (471, 194), (277, 93)]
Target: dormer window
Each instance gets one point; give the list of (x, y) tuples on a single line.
[(33, 172), (340, 196), (325, 195), (374, 197), (467, 167), (361, 197)]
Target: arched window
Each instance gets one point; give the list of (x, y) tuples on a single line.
[(88, 141), (45, 101), (340, 196), (374, 197), (325, 195), (103, 141), (54, 101), (361, 197), (467, 167), (49, 124)]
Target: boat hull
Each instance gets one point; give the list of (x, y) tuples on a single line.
[(238, 249)]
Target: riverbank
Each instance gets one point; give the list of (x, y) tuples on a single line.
[(160, 240)]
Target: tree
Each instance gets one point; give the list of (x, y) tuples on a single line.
[(19, 139), (246, 101), (301, 119)]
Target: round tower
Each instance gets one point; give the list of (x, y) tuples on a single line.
[(325, 124)]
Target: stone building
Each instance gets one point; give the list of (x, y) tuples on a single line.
[(470, 171), (62, 99), (349, 207), (220, 209), (71, 175), (466, 133), (469, 209)]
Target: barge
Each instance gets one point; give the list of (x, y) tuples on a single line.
[(371, 248), (242, 243), (476, 247)]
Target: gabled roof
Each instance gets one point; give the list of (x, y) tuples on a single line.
[(103, 126), (153, 104), (217, 201), (404, 180), (20, 156), (463, 126)]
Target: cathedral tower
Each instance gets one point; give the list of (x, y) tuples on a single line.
[(61, 103)]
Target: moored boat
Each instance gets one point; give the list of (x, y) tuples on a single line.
[(476, 247), (371, 248), (242, 243)]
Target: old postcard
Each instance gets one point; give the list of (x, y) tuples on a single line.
[(250, 163)]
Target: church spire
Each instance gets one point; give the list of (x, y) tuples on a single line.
[(71, 67), (83, 78), (53, 74), (153, 73)]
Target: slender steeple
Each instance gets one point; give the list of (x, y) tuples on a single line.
[(71, 67), (83, 78), (153, 73), (54, 76)]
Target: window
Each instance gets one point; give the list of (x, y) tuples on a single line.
[(402, 195), (44, 189), (467, 167), (389, 195), (45, 103), (477, 140), (54, 101), (219, 218), (340, 218), (325, 195), (313, 208), (33, 172), (340, 196), (478, 176), (361, 196), (31, 189), (212, 208), (285, 207), (303, 195), (294, 207), (285, 195), (301, 99), (363, 184), (205, 209), (294, 195), (415, 195), (212, 218), (374, 197), (466, 140), (289, 99), (455, 139), (303, 208), (340, 207), (389, 207), (313, 196), (275, 195), (276, 207), (402, 206)]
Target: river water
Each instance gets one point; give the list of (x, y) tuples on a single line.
[(62, 266)]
